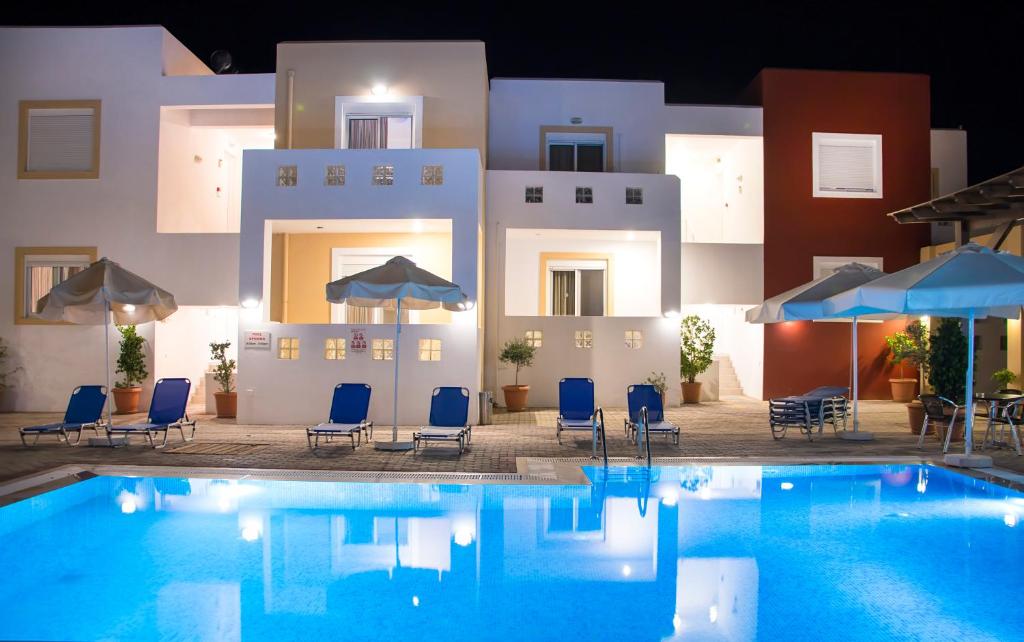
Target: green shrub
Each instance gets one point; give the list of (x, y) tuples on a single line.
[(947, 360), (519, 353), (131, 363), (696, 347), (225, 367), (910, 345), (1004, 377)]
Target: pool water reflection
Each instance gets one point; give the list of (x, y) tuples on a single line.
[(723, 553)]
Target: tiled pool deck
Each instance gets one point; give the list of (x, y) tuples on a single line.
[(733, 429)]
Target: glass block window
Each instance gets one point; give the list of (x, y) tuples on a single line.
[(334, 348), (535, 338), (430, 349), (288, 348), (432, 175), (634, 196), (382, 350), (287, 175), (334, 176), (634, 339), (383, 174), (534, 194), (585, 195), (584, 339)]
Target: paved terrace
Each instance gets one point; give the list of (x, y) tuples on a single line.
[(733, 429)]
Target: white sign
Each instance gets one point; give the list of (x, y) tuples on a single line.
[(258, 340), (358, 342)]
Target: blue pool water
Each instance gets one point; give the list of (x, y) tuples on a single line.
[(695, 553)]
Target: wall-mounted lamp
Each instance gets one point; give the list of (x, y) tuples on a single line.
[(250, 303), (128, 307), (379, 89), (576, 120), (466, 305), (671, 314)]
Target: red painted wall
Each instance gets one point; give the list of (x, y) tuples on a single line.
[(803, 355)]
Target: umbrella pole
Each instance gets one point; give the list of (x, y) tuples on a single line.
[(394, 444), (968, 459), (106, 354), (856, 434)]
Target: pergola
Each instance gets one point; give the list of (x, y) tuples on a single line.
[(995, 206)]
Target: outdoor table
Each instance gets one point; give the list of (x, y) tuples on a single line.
[(996, 401)]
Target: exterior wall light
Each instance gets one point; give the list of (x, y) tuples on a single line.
[(468, 305), (379, 89), (128, 307), (671, 314), (250, 303)]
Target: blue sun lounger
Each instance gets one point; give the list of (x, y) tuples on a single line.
[(166, 413), (639, 396), (575, 406), (449, 414), (349, 408), (84, 412)]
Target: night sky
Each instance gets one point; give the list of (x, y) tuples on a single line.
[(705, 52)]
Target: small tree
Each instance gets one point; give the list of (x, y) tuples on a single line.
[(910, 345), (1004, 377), (519, 353), (947, 360), (131, 363), (225, 367), (696, 347)]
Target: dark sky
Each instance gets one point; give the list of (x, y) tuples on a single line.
[(705, 52)]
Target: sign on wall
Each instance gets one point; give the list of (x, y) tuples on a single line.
[(255, 339), (358, 342)]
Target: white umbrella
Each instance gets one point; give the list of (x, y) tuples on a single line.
[(104, 290), (806, 303), (394, 285), (971, 281)]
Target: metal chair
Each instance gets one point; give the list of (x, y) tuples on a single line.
[(1012, 414), (935, 415)]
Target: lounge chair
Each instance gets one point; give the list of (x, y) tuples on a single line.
[(645, 395), (575, 406), (349, 408), (84, 412), (809, 412), (166, 413), (449, 413)]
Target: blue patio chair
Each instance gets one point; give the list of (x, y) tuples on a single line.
[(349, 409), (575, 406), (449, 415), (645, 395), (166, 412), (84, 412)]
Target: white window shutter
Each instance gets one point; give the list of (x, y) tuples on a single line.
[(60, 140), (847, 165)]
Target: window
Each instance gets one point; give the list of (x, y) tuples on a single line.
[(432, 175), (585, 195), (380, 132), (59, 139), (577, 287), (634, 339), (335, 176), (383, 174), (634, 196), (535, 338), (378, 122), (430, 349), (287, 175), (576, 149), (584, 339), (382, 349), (334, 348), (38, 269), (534, 194), (288, 348), (847, 165)]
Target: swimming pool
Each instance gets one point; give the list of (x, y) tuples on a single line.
[(694, 552)]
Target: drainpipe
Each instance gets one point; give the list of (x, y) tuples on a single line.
[(291, 104)]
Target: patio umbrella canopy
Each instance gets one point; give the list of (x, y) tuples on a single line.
[(807, 303), (104, 290), (394, 285), (971, 281)]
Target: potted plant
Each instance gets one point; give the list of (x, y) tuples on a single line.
[(910, 345), (696, 348), (1004, 378), (226, 398), (657, 379), (131, 365), (947, 369), (519, 353)]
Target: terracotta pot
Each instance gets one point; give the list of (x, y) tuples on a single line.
[(515, 397), (691, 391), (126, 400), (915, 415), (227, 404), (903, 389)]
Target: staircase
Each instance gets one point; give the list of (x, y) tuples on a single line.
[(198, 393), (728, 382)]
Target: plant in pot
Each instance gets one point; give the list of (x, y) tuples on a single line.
[(907, 346), (947, 369), (519, 353), (131, 365), (696, 351), (226, 398), (1003, 378)]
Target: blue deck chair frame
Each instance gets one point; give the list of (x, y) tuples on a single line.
[(449, 419), (166, 413), (84, 412), (349, 409), (809, 412), (576, 406), (645, 395)]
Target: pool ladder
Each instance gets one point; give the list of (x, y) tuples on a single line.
[(645, 425), (599, 423)]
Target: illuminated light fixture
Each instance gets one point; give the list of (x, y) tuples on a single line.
[(1010, 519), (630, 235), (379, 89), (128, 307), (415, 600), (466, 306), (786, 485), (250, 303), (417, 226), (627, 570), (671, 314)]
